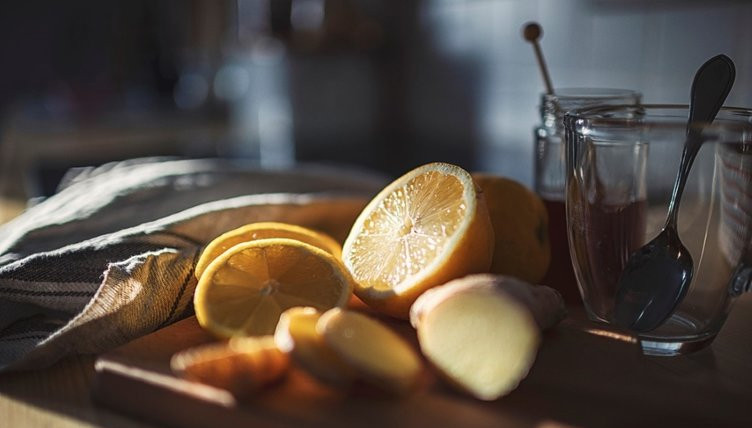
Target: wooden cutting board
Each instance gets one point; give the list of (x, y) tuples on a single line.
[(583, 376)]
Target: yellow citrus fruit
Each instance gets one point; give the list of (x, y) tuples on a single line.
[(244, 290), (426, 228), (265, 230), (520, 224)]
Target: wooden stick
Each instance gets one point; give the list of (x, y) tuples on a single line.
[(532, 32)]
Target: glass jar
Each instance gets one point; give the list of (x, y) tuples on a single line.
[(550, 173)]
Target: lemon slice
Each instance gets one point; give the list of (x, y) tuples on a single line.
[(426, 228), (265, 230), (244, 290)]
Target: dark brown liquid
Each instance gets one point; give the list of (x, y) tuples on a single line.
[(560, 274), (611, 234)]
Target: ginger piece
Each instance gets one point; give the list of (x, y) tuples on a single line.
[(240, 366), (377, 354), (297, 336), (482, 332)]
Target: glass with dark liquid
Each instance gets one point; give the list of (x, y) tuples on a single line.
[(550, 173), (621, 166)]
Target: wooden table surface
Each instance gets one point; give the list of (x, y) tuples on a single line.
[(579, 379)]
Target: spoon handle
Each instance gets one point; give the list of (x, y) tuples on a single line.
[(711, 86), (691, 148)]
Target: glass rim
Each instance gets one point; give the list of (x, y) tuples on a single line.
[(589, 117), (590, 93)]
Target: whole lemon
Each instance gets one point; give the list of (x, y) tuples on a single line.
[(520, 224)]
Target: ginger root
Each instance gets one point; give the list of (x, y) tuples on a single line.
[(482, 332), (296, 335), (378, 355), (241, 366)]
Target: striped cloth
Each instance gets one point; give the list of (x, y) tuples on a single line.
[(110, 257)]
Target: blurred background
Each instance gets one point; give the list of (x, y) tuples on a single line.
[(385, 85)]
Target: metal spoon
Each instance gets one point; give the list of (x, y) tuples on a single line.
[(657, 276)]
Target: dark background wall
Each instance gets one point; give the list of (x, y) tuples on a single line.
[(383, 85)]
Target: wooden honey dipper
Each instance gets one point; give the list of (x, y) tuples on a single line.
[(532, 31)]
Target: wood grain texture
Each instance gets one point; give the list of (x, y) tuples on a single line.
[(59, 396), (579, 379)]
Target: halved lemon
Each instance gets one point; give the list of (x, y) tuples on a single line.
[(265, 230), (244, 291), (426, 228)]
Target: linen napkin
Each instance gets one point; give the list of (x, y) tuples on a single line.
[(110, 256)]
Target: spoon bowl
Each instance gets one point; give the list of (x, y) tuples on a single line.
[(656, 277)]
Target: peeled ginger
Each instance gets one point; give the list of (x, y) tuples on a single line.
[(482, 332)]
